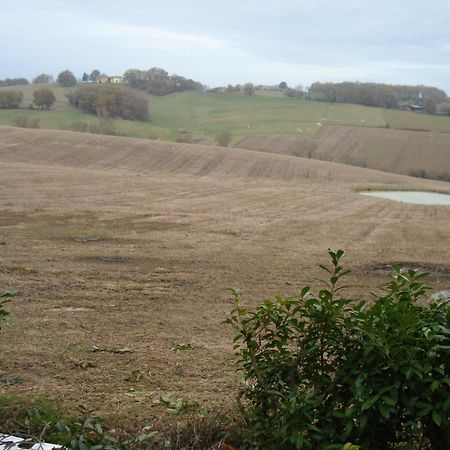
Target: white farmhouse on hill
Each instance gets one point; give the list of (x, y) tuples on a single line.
[(115, 79)]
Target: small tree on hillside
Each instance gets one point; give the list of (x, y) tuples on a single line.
[(44, 98), (249, 89), (223, 138), (430, 105), (66, 78), (283, 86)]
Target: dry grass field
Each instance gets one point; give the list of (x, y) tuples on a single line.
[(397, 151), (128, 247)]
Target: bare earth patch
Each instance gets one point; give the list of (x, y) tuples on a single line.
[(116, 255)]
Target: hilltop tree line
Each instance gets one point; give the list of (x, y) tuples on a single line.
[(157, 81), (375, 94)]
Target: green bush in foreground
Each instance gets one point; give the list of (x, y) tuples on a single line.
[(321, 371)]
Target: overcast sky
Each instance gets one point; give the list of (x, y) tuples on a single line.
[(221, 42)]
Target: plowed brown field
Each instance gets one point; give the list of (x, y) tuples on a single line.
[(131, 245), (396, 151)]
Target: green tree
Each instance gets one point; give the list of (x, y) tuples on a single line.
[(44, 98), (10, 98), (135, 77), (223, 138), (430, 105), (43, 78), (66, 78), (94, 76), (249, 89), (283, 86)]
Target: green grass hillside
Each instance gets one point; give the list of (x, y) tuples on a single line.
[(205, 115)]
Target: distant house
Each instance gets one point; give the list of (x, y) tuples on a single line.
[(116, 79), (413, 108)]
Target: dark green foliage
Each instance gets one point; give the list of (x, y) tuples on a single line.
[(369, 94), (321, 371), (43, 78), (44, 98), (374, 94), (294, 93), (111, 101), (10, 98), (430, 105), (66, 78), (157, 81), (223, 138)]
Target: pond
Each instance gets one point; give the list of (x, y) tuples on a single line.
[(415, 197)]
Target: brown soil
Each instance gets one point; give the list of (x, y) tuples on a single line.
[(396, 151), (129, 246)]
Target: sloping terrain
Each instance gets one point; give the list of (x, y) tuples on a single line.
[(121, 249), (153, 157), (396, 151), (205, 115)]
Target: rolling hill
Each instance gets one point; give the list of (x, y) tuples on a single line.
[(205, 115), (71, 149), (132, 244), (425, 154)]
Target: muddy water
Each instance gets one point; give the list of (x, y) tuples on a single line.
[(415, 197)]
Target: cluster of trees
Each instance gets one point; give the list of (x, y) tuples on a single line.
[(93, 77), (13, 82), (418, 93), (110, 101), (43, 78), (369, 94), (157, 81), (43, 98), (246, 89), (10, 98), (376, 94)]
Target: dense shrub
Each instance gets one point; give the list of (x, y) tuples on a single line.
[(26, 122), (44, 98), (10, 98), (321, 371), (112, 101), (223, 138)]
